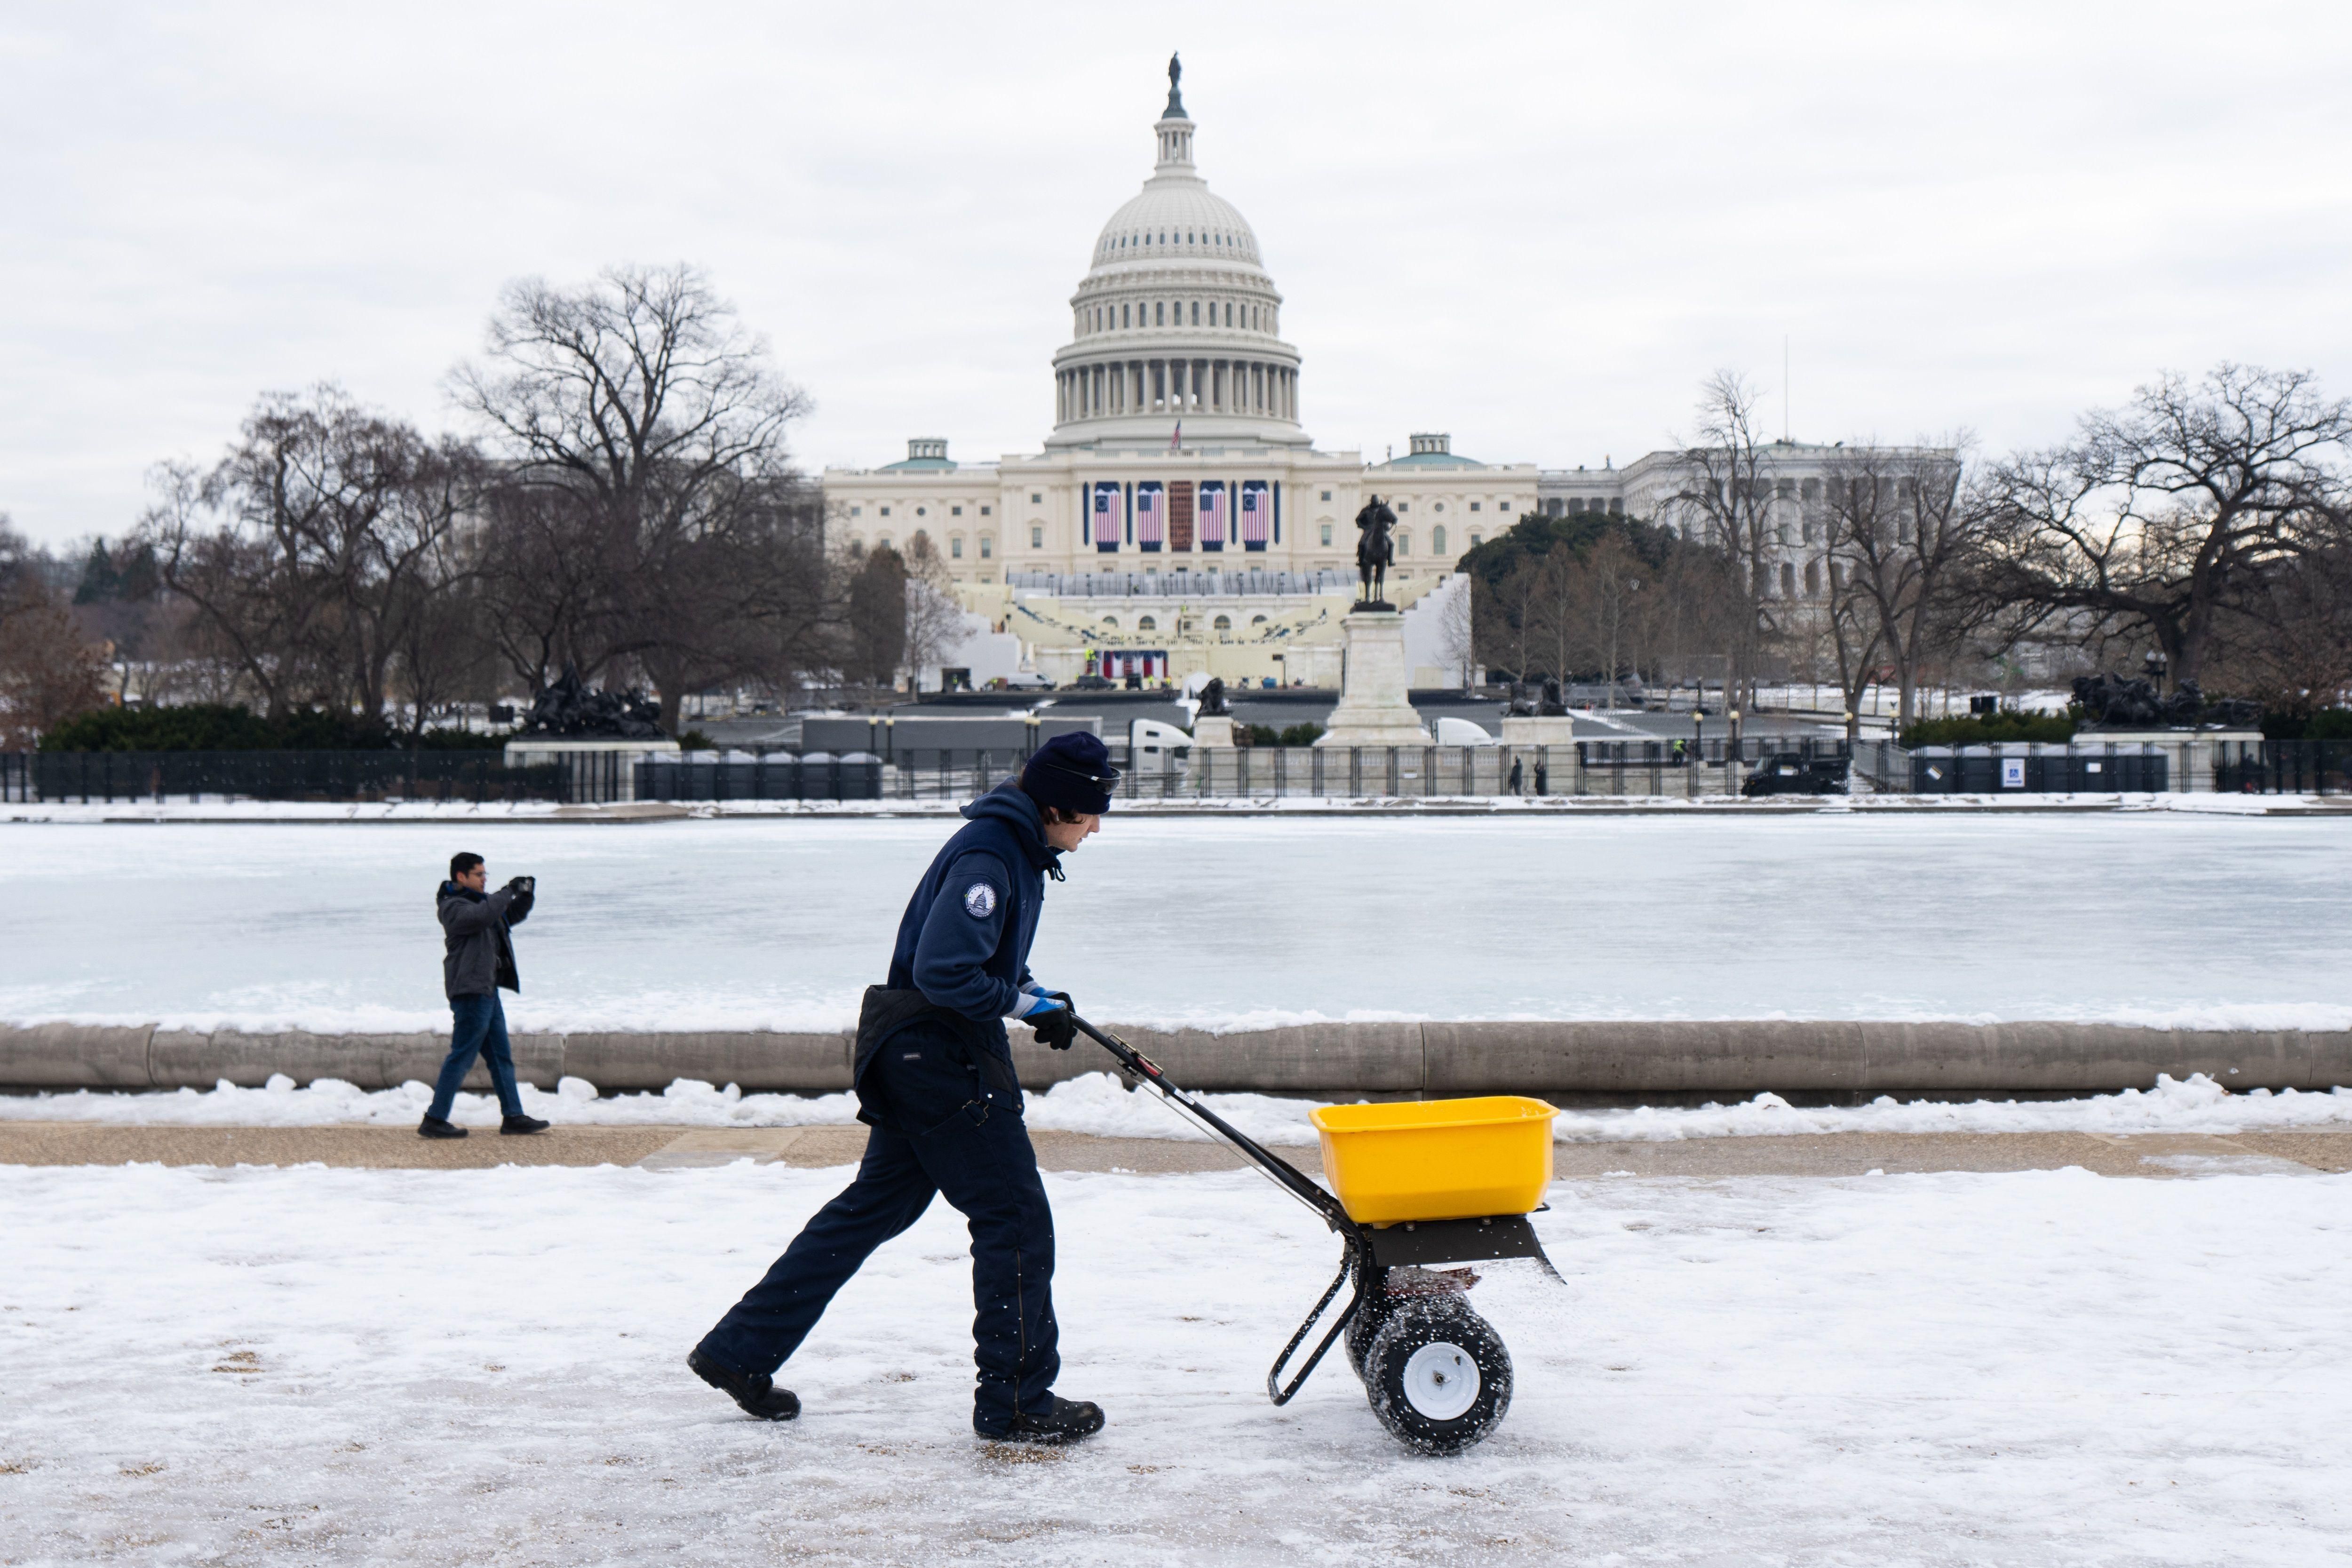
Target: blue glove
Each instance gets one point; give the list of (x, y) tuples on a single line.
[(1050, 1017)]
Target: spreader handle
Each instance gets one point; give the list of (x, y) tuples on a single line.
[(1281, 1171)]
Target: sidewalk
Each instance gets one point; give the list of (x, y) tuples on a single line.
[(2154, 1154)]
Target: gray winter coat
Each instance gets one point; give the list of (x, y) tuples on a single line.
[(477, 956)]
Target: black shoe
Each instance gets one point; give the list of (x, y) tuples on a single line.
[(756, 1392), (518, 1125), (1067, 1422), (435, 1127)]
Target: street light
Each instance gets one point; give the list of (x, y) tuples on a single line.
[(2156, 663)]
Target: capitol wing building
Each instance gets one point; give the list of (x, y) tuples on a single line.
[(1180, 518)]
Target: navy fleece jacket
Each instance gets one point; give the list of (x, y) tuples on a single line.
[(964, 940)]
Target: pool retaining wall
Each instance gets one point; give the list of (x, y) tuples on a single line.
[(1593, 1062)]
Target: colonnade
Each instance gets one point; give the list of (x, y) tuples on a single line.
[(1175, 386)]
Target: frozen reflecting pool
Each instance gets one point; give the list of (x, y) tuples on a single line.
[(2180, 920)]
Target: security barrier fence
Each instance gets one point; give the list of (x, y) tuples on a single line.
[(1583, 768), (112, 776), (1636, 768)]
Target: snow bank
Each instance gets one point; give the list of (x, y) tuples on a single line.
[(1100, 1105)]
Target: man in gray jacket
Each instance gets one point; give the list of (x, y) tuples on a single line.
[(478, 960)]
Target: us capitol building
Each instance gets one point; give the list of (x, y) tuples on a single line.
[(1180, 518)]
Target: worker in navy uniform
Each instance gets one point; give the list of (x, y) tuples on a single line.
[(934, 1081)]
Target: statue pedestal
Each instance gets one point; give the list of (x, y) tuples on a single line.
[(1216, 729), (1557, 730), (1374, 709), (594, 778)]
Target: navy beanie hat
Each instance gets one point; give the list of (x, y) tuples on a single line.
[(1072, 772)]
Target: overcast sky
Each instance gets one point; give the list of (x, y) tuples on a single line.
[(1535, 226)]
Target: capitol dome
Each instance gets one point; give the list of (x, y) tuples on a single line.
[(1176, 322)]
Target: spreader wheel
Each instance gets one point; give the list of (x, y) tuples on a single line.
[(1437, 1374), (1372, 1315)]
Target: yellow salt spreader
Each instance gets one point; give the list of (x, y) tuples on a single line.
[(1419, 1184)]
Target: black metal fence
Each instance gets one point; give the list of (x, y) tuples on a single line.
[(109, 776), (767, 775), (1637, 768), (2283, 767)]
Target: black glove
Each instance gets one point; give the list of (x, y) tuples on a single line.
[(521, 884), (1055, 1028)]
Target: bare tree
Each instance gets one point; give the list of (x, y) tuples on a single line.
[(1901, 533), (1454, 632), (302, 552), (935, 619), (644, 432), (49, 670), (2157, 514), (1726, 500)]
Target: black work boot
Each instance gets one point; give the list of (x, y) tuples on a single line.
[(518, 1125), (1067, 1422), (438, 1127), (755, 1392)]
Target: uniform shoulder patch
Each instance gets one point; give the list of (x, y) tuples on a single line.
[(980, 900)]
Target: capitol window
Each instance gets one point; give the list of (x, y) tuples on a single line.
[(1404, 543), (1474, 541), (882, 542), (1326, 495), (1036, 536), (1474, 506), (886, 511), (1327, 531), (955, 547), (1146, 624), (984, 512), (988, 547), (1437, 540), (1222, 623), (1404, 506), (1160, 312), (955, 510), (1036, 499), (1257, 620), (1196, 312), (922, 512), (1111, 621), (857, 511), (1441, 506)]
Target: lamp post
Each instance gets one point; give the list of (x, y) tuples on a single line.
[(1698, 748), (2157, 662)]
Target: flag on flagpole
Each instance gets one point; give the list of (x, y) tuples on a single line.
[(1176, 442)]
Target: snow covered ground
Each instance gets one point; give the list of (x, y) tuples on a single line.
[(1097, 1104), (416, 1367), (2169, 920)]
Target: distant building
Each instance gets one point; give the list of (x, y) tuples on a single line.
[(1178, 469)]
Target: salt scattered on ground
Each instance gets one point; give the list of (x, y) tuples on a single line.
[(1099, 1104), (333, 1366)]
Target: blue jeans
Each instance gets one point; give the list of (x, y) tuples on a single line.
[(478, 1027), (949, 1133)]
